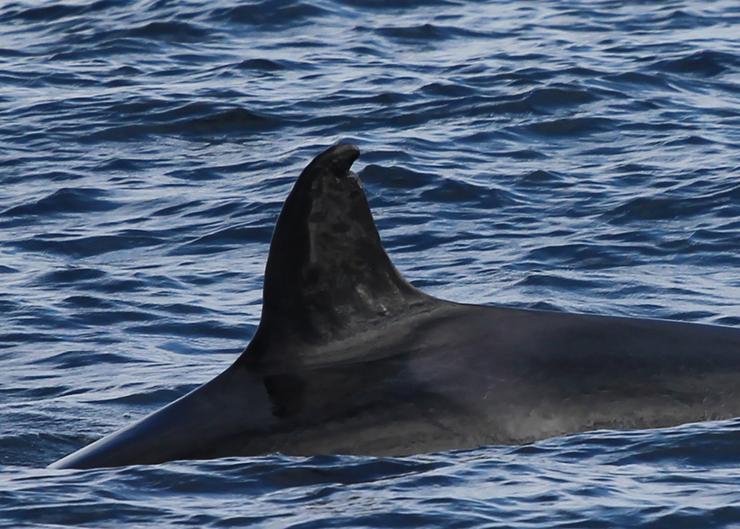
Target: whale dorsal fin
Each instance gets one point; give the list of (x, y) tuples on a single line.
[(327, 275)]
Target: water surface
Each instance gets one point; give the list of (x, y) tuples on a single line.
[(577, 156)]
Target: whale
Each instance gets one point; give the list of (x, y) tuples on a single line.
[(351, 358)]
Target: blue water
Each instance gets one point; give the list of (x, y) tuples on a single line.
[(577, 156)]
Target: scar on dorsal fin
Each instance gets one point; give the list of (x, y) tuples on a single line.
[(327, 275)]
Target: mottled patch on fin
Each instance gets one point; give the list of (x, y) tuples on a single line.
[(327, 273)]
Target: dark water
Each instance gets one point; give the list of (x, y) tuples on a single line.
[(579, 156)]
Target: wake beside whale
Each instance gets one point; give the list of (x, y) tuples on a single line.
[(349, 358)]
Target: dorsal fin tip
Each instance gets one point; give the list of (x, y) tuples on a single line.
[(339, 157), (336, 160), (327, 272)]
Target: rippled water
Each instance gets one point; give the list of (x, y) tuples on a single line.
[(578, 156)]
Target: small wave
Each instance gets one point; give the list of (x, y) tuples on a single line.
[(200, 174), (558, 282), (669, 206), (172, 31), (234, 209), (384, 5), (5, 52), (125, 165), (181, 308), (87, 301), (540, 101), (394, 177), (556, 97), (447, 89), (647, 208), (224, 239), (176, 209), (585, 255), (89, 245), (542, 178), (235, 120), (447, 190), (519, 154), (111, 317), (195, 329), (640, 78), (705, 63), (146, 398), (65, 200), (30, 448), (689, 139), (23, 338), (72, 275), (270, 13), (695, 445), (262, 65), (425, 33), (78, 358), (42, 14), (236, 235), (570, 126), (142, 106), (683, 19)]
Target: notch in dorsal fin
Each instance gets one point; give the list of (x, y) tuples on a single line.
[(327, 276)]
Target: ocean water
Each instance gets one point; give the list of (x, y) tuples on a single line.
[(571, 155)]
